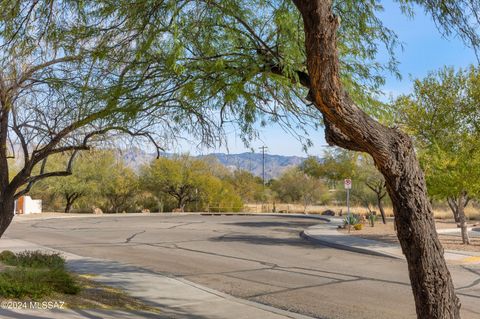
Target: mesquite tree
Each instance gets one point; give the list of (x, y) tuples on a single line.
[(70, 79), (442, 114), (255, 60), (348, 126)]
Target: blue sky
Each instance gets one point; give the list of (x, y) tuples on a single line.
[(424, 50)]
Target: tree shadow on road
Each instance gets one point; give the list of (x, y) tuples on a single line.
[(287, 224), (266, 240), (119, 275)]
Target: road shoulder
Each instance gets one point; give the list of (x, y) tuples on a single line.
[(175, 297), (327, 234)]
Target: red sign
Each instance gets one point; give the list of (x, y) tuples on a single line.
[(348, 183)]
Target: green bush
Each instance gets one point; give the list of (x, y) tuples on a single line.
[(36, 275), (36, 283), (7, 257), (33, 259)]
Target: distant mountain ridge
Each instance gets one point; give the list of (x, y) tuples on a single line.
[(252, 162)]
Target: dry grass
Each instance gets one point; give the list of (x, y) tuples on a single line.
[(472, 213)]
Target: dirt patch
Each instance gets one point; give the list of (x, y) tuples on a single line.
[(387, 234)]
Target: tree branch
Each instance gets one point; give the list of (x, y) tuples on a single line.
[(32, 70), (30, 181)]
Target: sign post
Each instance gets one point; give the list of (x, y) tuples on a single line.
[(348, 186)]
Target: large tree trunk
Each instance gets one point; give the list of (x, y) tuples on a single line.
[(7, 207), (349, 127), (70, 199), (68, 207), (181, 204)]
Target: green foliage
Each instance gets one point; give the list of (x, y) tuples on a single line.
[(453, 18), (245, 60), (90, 170), (36, 275), (442, 114), (217, 195), (247, 186), (191, 183), (372, 219), (94, 71), (294, 186), (7, 257), (36, 283), (120, 188), (340, 164), (32, 259), (335, 166), (353, 219)]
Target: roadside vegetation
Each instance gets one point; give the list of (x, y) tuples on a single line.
[(103, 181), (200, 68), (39, 276), (33, 274)]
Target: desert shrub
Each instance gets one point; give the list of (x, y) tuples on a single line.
[(35, 283), (33, 259)]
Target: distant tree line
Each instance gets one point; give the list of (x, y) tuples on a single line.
[(102, 180)]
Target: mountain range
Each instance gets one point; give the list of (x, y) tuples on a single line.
[(252, 162)]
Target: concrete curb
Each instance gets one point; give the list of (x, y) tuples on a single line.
[(261, 306), (266, 214), (327, 235), (72, 258), (359, 250)]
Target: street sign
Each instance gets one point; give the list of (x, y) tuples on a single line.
[(348, 186), (348, 183)]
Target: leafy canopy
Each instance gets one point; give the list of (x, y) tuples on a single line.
[(443, 116)]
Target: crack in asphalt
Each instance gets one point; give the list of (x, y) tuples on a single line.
[(175, 246), (133, 236), (255, 281), (303, 287), (267, 266), (184, 224)]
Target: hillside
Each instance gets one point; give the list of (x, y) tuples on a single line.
[(252, 162)]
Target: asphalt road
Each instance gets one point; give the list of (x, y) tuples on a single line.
[(252, 257)]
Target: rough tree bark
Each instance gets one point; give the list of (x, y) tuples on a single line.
[(7, 206), (349, 127)]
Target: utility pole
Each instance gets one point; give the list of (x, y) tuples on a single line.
[(263, 148)]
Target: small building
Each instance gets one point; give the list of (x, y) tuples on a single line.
[(27, 205)]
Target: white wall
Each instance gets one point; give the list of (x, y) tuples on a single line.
[(30, 206)]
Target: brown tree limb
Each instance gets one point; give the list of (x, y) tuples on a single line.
[(393, 154)]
